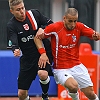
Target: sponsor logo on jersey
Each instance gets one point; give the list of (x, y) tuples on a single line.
[(68, 34), (67, 46), (26, 27), (25, 39)]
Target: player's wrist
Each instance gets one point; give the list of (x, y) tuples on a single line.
[(14, 47), (41, 50)]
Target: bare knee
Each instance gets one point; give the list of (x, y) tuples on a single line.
[(73, 88), (72, 85), (22, 94), (42, 74)]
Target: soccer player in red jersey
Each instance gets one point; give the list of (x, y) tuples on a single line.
[(68, 69)]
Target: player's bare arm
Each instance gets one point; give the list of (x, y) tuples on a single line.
[(43, 58), (40, 33)]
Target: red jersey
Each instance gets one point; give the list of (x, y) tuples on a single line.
[(65, 43)]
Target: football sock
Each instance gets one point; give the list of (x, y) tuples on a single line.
[(45, 85), (45, 96), (27, 98), (75, 96), (96, 97)]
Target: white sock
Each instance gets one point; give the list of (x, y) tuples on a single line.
[(96, 97), (75, 96), (46, 81), (27, 98)]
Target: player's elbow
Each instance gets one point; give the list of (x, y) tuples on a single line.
[(35, 39)]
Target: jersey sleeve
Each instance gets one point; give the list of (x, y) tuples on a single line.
[(86, 31), (43, 20), (12, 42), (49, 30)]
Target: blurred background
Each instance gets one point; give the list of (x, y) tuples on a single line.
[(89, 14)]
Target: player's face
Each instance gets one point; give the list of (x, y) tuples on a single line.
[(70, 21), (18, 11)]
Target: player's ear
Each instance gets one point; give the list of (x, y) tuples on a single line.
[(11, 11), (64, 17)]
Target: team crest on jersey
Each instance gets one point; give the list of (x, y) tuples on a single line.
[(74, 38), (26, 27), (9, 43)]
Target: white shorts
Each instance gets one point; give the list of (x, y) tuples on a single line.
[(78, 72)]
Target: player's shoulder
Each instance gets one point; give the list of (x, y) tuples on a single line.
[(11, 22), (35, 11), (81, 25), (56, 26)]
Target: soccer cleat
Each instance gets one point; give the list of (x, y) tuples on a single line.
[(45, 97)]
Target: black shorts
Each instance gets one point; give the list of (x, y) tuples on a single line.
[(28, 71)]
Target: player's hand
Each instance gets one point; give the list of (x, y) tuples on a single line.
[(17, 52), (40, 33), (43, 60), (96, 36)]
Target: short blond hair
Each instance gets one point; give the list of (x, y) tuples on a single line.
[(14, 2)]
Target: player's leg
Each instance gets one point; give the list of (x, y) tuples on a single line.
[(44, 76), (45, 80), (83, 78), (28, 73), (24, 82), (64, 78), (72, 86), (89, 93), (23, 94)]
